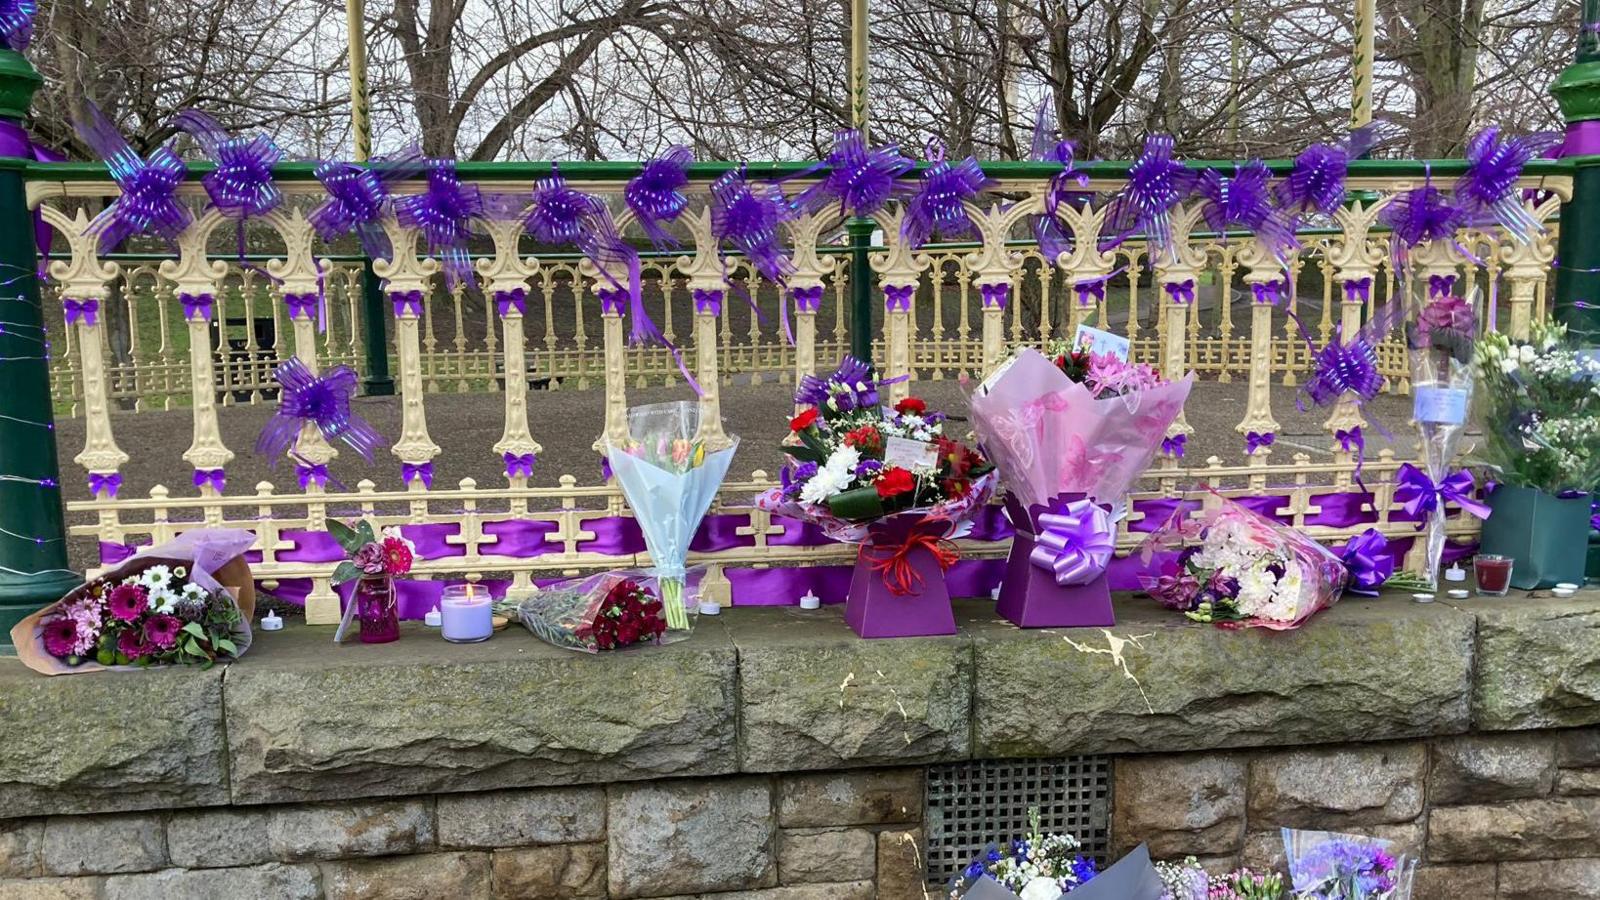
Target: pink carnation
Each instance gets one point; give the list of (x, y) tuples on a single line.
[(128, 601)]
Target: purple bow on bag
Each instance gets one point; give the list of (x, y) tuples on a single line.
[(1420, 496), (1075, 542), (1368, 561), (111, 484), (86, 310), (324, 401)]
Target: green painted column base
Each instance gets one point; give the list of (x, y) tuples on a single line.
[(21, 597)]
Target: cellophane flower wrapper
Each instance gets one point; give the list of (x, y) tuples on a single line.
[(566, 613), (1241, 568), (1440, 345), (670, 479), (1326, 865), (212, 559)]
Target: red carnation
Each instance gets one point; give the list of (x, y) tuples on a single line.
[(804, 420), (911, 406), (895, 481), (866, 438)]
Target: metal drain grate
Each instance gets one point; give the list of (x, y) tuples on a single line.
[(973, 804)]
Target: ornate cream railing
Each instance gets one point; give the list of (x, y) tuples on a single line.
[(558, 334)]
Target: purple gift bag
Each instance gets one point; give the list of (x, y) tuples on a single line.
[(898, 587), (1031, 595)]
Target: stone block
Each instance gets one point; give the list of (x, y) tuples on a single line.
[(157, 741), (277, 882), (245, 836), (21, 842), (1481, 768), (50, 888), (1551, 879), (557, 872), (1578, 782), (1338, 788), (1515, 830), (1065, 691), (1578, 748), (858, 797), (680, 837), (809, 855), (1538, 663), (427, 877), (814, 696), (1180, 805), (515, 818), (511, 712), (1454, 882), (900, 869), (101, 845), (854, 890), (1263, 850)]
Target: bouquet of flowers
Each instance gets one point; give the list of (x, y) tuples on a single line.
[(1071, 430), (382, 554), (891, 480), (611, 611), (1245, 570), (1441, 352), (1037, 867), (1189, 881), (1328, 866), (670, 477), (188, 601)]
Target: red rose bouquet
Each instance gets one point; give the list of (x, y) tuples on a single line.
[(610, 611)]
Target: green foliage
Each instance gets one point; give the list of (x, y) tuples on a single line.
[(1541, 410), (352, 539)]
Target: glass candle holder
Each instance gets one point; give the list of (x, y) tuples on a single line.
[(1494, 574), (466, 611), (377, 610)]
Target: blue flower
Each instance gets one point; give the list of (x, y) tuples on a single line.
[(1083, 869)]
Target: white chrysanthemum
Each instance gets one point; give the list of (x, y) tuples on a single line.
[(823, 485), (1040, 889), (155, 576), (163, 599)]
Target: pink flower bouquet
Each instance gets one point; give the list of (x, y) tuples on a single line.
[(1070, 436)]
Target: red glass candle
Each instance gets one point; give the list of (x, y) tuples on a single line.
[(1494, 574)]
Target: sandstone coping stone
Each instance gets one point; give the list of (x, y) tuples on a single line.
[(555, 872), (249, 835), (815, 696), (1179, 805), (514, 818), (850, 797), (1515, 830), (156, 741), (430, 876), (1329, 788), (684, 837), (1551, 879), (99, 845), (308, 720), (278, 882), (1538, 663), (1454, 882), (21, 843), (809, 855), (1365, 670), (1479, 768)]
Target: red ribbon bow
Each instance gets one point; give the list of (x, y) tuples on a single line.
[(893, 561)]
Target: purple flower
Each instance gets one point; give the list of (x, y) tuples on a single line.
[(795, 477), (369, 559), (60, 637), (128, 601), (1176, 591), (161, 631), (132, 645), (867, 468)]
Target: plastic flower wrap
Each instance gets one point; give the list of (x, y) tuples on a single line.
[(1241, 568), (670, 478), (1541, 410), (1440, 342), (854, 462), (1188, 880), (1324, 865), (186, 602), (609, 611)]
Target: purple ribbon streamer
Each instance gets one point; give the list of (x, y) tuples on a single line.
[(806, 299), (1048, 232), (993, 295), (1255, 440), (1418, 494), (897, 297), (15, 143), (1075, 541), (324, 401), (1367, 558), (216, 478), (1354, 439), (88, 311), (411, 300), (520, 464), (1180, 291), (196, 307), (515, 299), (1174, 446), (656, 195), (110, 483), (411, 471)]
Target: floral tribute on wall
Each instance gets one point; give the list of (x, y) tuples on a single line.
[(613, 611), (1322, 866)]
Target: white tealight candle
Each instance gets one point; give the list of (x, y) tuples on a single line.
[(810, 601), (466, 613), (271, 622)]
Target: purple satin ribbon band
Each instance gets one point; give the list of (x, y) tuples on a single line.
[(86, 311), (196, 307), (520, 464), (302, 305), (506, 301), (1583, 139), (709, 303), (898, 297), (1357, 289), (1255, 440), (110, 484), (1181, 292), (15, 143), (1075, 542), (216, 478), (995, 295), (410, 471), (1420, 496), (612, 301), (409, 301), (806, 299)]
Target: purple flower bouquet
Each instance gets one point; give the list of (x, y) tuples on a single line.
[(1324, 865)]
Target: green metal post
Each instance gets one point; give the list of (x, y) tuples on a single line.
[(33, 532), (375, 316), (1577, 90), (861, 293)]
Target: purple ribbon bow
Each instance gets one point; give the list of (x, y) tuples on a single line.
[(357, 198), (1255, 440), (424, 471), (196, 307), (520, 465), (749, 217), (314, 473), (444, 213), (16, 23), (656, 195), (1357, 289), (1487, 191), (1174, 446), (217, 478), (506, 301), (1368, 561), (1048, 232), (1180, 291), (1420, 496), (302, 305), (993, 295), (1094, 288), (148, 203), (1075, 542), (1156, 183), (1268, 291), (86, 310), (1441, 285), (1316, 183), (1352, 441), (861, 178), (410, 300), (897, 297), (939, 205), (1243, 201), (111, 484), (241, 184), (1421, 214), (1340, 367), (324, 401)]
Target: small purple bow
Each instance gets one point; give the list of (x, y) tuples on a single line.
[(506, 301), (1174, 446), (709, 302), (520, 465), (897, 297), (411, 300), (1352, 441), (993, 295), (806, 299), (1420, 496), (1075, 543), (1441, 285), (110, 484), (217, 478), (196, 307), (1255, 440), (86, 310), (424, 471), (314, 473), (302, 305), (1368, 561), (1180, 291), (1268, 291), (1094, 288), (1357, 289)]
